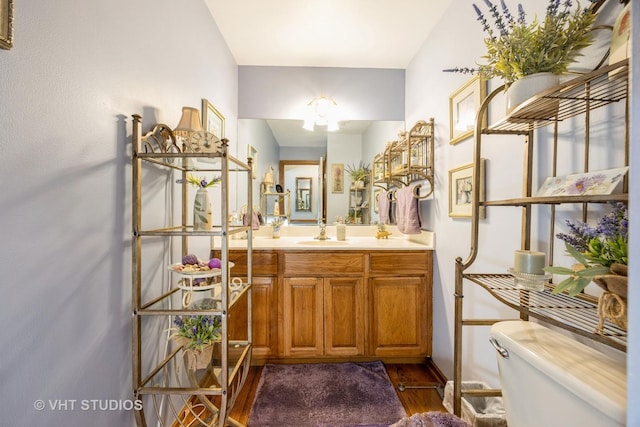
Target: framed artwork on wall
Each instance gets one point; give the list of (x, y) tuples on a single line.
[(6, 24), (461, 190), (337, 178), (463, 107), (212, 120)]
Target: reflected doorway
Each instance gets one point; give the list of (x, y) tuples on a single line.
[(306, 176)]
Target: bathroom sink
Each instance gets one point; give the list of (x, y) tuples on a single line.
[(323, 243)]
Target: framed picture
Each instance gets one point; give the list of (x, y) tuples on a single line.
[(6, 24), (463, 107), (212, 120), (253, 153), (337, 178), (461, 190), (581, 184)]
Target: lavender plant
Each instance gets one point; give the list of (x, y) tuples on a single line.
[(516, 48), (595, 249), (200, 329)]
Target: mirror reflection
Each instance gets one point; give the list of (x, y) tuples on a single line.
[(303, 194), (288, 148)]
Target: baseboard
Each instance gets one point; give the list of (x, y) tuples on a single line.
[(320, 359)]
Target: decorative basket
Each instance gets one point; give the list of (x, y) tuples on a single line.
[(612, 304)]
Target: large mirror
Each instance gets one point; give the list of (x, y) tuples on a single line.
[(303, 194), (288, 148)]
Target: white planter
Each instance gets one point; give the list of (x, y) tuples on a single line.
[(528, 87)]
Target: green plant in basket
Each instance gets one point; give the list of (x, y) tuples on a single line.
[(597, 249), (200, 330)]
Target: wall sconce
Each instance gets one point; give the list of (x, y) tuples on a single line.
[(321, 112)]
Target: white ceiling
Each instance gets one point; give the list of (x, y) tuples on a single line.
[(326, 33)]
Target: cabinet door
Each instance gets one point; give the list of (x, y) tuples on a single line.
[(343, 316), (399, 322), (302, 316), (264, 317)]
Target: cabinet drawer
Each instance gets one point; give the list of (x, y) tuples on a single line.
[(322, 264), (265, 263), (399, 263)]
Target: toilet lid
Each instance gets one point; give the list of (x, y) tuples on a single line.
[(597, 378)]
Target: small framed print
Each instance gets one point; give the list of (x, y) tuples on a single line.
[(461, 190), (464, 104), (212, 120), (6, 24), (337, 178)]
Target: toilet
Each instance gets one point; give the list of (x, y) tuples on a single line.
[(548, 379)]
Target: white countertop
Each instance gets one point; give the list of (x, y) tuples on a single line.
[(358, 238)]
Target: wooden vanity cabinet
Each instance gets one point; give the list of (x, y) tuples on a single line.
[(352, 305), (323, 304), (400, 304)]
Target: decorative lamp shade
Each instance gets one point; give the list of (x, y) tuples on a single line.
[(268, 176), (189, 122), (321, 111)]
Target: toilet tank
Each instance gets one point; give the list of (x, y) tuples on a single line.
[(549, 379)]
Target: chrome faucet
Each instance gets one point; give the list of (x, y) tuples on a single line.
[(323, 231)]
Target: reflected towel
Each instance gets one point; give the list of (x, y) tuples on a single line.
[(255, 220), (407, 212), (383, 207)]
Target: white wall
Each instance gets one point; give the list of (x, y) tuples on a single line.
[(76, 74), (428, 91)]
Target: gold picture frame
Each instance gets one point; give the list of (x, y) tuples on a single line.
[(337, 178), (464, 104), (461, 190), (212, 120), (6, 24)]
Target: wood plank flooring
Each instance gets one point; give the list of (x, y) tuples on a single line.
[(418, 394)]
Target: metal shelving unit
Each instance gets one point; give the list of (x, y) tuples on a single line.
[(576, 97), (173, 392)]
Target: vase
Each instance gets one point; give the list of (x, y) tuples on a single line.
[(202, 210), (529, 86), (612, 303)]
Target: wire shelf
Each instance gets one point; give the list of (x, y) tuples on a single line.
[(577, 314)]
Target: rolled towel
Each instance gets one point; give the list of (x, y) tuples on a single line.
[(407, 212), (383, 207)]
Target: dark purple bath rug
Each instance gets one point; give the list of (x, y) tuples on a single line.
[(325, 395)]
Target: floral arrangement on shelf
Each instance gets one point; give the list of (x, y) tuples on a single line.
[(201, 182), (199, 330), (599, 250), (358, 173), (516, 48)]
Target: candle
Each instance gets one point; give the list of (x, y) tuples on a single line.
[(530, 262)]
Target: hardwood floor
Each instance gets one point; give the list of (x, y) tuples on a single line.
[(417, 390)]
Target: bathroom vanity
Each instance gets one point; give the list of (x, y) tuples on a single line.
[(355, 299)]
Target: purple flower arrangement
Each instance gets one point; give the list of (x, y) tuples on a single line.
[(595, 248), (201, 182), (516, 48), (200, 329)]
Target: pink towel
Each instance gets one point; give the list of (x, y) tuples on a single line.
[(383, 207), (255, 220), (407, 212)]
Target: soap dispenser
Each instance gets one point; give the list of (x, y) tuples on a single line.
[(341, 228)]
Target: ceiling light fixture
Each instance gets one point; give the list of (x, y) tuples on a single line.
[(321, 112)]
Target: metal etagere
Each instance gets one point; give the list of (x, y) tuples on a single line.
[(173, 392), (578, 96)]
